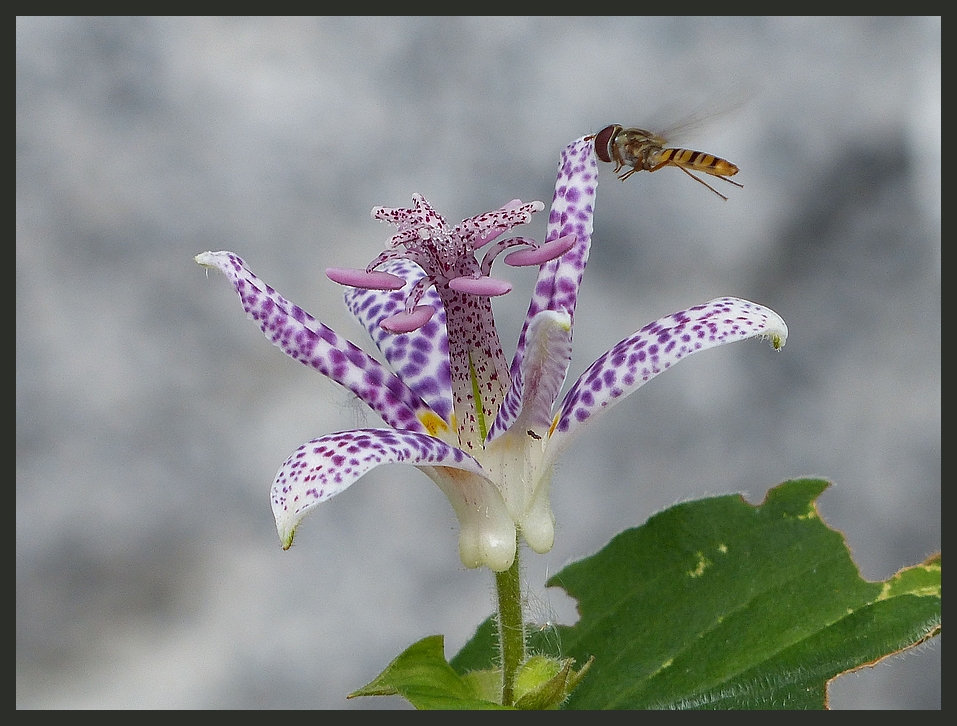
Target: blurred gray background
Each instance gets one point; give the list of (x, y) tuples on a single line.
[(152, 416)]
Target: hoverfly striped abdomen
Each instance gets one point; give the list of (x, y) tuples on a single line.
[(697, 160)]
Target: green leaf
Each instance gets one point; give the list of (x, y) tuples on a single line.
[(723, 605), (421, 675)]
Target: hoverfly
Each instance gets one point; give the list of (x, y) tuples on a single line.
[(641, 150)]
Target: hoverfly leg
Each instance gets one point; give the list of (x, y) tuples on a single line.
[(700, 181), (739, 186)]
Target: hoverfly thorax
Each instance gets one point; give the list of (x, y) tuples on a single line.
[(635, 148)]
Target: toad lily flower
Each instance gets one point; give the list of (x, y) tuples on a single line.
[(482, 430)]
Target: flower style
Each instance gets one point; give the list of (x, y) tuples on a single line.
[(482, 430)]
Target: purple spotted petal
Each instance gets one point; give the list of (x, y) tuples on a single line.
[(325, 467), (556, 289), (572, 211), (655, 348), (421, 357), (544, 365), (308, 341)]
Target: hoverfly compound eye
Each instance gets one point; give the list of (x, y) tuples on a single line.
[(604, 140)]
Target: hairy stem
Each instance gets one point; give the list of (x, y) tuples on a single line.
[(511, 626)]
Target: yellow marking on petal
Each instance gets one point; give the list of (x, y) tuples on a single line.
[(551, 429), (433, 423)]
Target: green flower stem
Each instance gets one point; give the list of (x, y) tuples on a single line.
[(511, 627)]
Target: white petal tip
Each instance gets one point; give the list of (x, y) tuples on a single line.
[(776, 332), (287, 533), (554, 320), (215, 260)]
